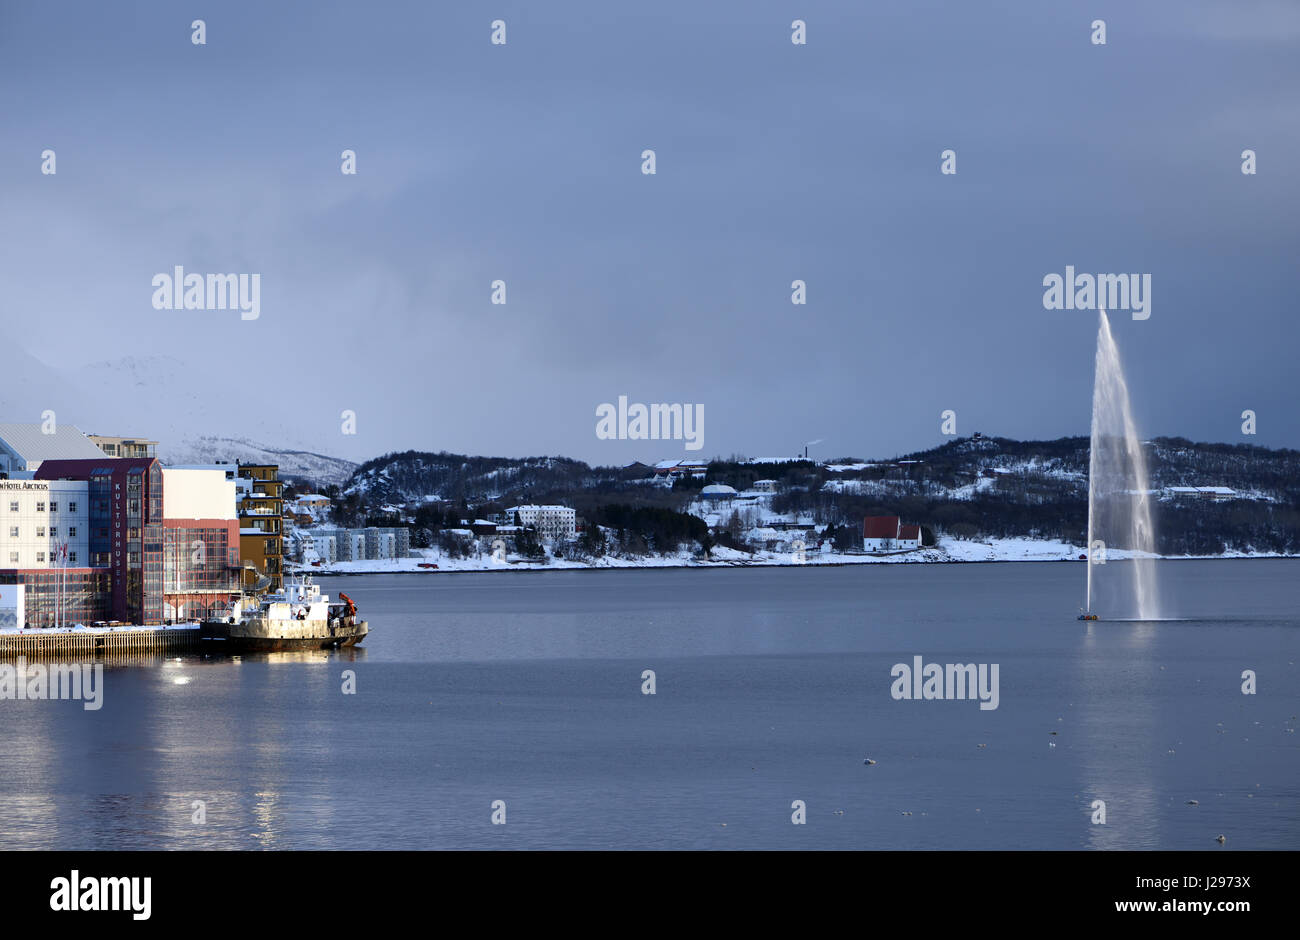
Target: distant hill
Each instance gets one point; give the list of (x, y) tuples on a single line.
[(967, 488), (1039, 489), (418, 476), (297, 465), (1172, 461)]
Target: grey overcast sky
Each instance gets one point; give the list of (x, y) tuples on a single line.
[(522, 162)]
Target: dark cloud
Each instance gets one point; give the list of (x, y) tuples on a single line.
[(775, 162)]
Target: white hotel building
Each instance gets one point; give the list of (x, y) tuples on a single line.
[(551, 522), (37, 516)]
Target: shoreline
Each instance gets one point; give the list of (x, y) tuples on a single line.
[(385, 566)]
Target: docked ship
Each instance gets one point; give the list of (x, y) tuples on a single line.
[(295, 618)]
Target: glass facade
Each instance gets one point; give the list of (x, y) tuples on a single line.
[(87, 595), (147, 566), (151, 524), (201, 570), (126, 532)]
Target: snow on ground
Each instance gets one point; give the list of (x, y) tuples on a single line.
[(969, 491), (81, 628), (1011, 550), (948, 551)]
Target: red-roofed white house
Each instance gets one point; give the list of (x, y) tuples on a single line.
[(888, 534)]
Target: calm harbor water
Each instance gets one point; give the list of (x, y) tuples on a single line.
[(772, 685)]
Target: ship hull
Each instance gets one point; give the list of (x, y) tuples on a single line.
[(220, 637)]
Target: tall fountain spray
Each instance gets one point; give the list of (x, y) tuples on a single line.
[(1119, 498)]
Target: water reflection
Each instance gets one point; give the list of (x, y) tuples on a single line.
[(767, 684)]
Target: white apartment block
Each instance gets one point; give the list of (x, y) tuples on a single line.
[(368, 544), (314, 545), (324, 547), (551, 522), (38, 516)]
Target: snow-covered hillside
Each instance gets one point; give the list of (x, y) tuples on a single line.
[(294, 464)]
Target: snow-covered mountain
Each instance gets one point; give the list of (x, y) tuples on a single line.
[(294, 464), (416, 476), (195, 416), (170, 400)]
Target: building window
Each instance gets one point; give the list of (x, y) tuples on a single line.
[(13, 531), (13, 558), (54, 532), (40, 531), (40, 556), (72, 532), (72, 507), (72, 557), (54, 507), (13, 507), (40, 507)]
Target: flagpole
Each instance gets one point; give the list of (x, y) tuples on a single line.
[(60, 609)]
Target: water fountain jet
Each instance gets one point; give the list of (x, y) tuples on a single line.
[(1119, 499)]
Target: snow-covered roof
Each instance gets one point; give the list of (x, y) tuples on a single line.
[(718, 489), (31, 443)]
